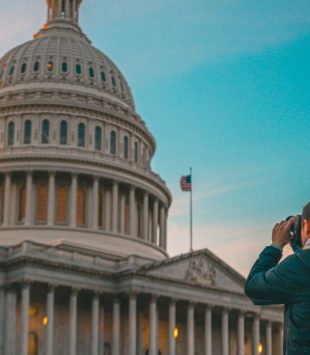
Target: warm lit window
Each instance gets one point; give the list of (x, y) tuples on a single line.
[(81, 206), (11, 129), (27, 132), (42, 200), (21, 204), (62, 204), (113, 142), (63, 132), (98, 138), (50, 66), (45, 132), (126, 146), (81, 135)]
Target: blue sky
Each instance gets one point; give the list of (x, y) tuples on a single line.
[(224, 86)]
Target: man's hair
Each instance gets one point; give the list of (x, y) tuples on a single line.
[(306, 212)]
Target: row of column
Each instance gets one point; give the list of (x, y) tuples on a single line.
[(62, 9), (157, 234), (132, 326)]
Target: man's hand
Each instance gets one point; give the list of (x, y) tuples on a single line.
[(281, 233)]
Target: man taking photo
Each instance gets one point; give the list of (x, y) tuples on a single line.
[(288, 282)]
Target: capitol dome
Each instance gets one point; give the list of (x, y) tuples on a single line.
[(75, 157)]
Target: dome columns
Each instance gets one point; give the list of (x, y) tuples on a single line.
[(63, 9)]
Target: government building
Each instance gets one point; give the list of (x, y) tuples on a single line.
[(84, 267)]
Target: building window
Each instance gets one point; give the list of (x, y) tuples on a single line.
[(50, 66), (45, 132), (62, 204), (63, 132), (136, 152), (33, 344), (23, 68), (102, 76), (98, 138), (11, 130), (1, 74), (64, 67), (91, 72), (78, 69), (113, 142), (81, 135), (126, 146), (27, 132), (81, 206), (21, 204), (113, 81), (11, 71), (36, 67), (42, 199)]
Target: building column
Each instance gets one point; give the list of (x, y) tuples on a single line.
[(50, 320), (132, 326), (139, 332), (122, 209), (7, 199), (190, 329), (73, 322), (225, 332), (172, 325), (67, 12), (73, 199), (241, 333), (152, 326), (95, 324), (116, 327), (2, 319), (132, 211), (102, 322), (281, 338), (268, 338), (162, 227), (155, 221), (255, 334), (95, 202), (24, 321), (51, 199), (145, 216), (29, 199), (74, 10), (10, 323), (59, 9), (115, 207), (208, 330)]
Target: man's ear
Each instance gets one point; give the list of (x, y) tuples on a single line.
[(306, 227)]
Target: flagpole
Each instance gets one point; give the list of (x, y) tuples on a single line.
[(191, 212)]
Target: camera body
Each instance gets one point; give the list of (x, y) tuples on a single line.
[(296, 231)]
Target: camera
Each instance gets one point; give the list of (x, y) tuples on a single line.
[(295, 231)]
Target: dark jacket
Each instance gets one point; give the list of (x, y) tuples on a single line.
[(285, 283)]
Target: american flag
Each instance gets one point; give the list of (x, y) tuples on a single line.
[(186, 183)]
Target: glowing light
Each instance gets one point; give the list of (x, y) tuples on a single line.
[(260, 348), (32, 311), (176, 332), (45, 321)]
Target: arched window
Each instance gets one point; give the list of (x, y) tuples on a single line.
[(91, 72), (113, 81), (78, 69), (45, 132), (27, 132), (64, 67), (50, 66), (113, 142), (23, 68), (63, 132), (21, 204), (125, 147), (36, 67), (11, 130), (11, 71), (102, 76), (81, 135), (136, 152), (81, 206), (42, 200), (62, 204), (98, 138)]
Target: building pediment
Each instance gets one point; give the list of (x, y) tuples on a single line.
[(200, 268)]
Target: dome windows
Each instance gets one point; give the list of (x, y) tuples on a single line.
[(11, 71), (64, 67), (50, 66), (126, 147), (102, 76), (45, 132), (23, 68), (91, 72), (11, 130), (113, 142), (81, 135), (1, 74), (136, 152), (98, 138), (78, 69), (36, 67), (113, 81), (27, 132), (63, 132)]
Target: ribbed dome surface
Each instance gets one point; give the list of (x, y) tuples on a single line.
[(63, 56)]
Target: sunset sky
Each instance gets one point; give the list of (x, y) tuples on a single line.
[(224, 86)]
